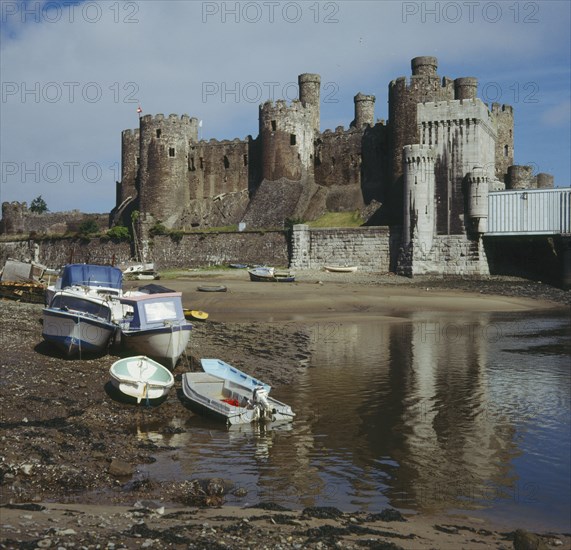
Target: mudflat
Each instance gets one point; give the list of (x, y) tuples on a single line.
[(69, 447)]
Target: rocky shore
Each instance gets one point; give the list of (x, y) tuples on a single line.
[(68, 439)]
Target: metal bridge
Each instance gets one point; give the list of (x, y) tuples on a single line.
[(529, 212)]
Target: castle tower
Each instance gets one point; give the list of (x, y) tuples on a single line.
[(477, 186), (504, 121), (163, 176), (424, 66), (309, 95), (424, 86), (419, 220), (520, 177), (130, 150), (287, 134), (466, 88), (364, 110), (545, 181)]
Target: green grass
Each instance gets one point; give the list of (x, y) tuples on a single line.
[(338, 219)]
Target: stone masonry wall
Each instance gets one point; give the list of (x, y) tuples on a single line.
[(208, 249), (366, 247), (449, 255), (59, 251)]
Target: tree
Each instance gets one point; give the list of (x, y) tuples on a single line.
[(38, 205), (88, 227)]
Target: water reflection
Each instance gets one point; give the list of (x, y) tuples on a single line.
[(431, 413)]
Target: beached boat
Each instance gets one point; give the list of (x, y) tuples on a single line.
[(78, 324), (157, 327), (341, 268), (219, 368), (269, 274), (195, 314), (141, 377), (231, 403), (99, 281)]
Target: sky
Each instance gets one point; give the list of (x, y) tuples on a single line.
[(74, 73)]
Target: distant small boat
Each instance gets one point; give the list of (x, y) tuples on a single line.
[(214, 288), (238, 266), (341, 268), (232, 403), (219, 368), (141, 377), (269, 274)]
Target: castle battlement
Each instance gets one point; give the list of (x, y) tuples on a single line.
[(281, 106), (160, 117), (497, 108), (132, 132), (222, 142), (418, 153)]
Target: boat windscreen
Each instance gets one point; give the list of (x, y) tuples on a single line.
[(73, 303), (160, 311)]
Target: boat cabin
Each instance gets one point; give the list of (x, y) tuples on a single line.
[(153, 310), (84, 306)]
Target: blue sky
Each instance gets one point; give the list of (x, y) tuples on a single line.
[(73, 75)]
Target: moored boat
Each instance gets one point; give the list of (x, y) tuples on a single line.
[(141, 377), (269, 274), (157, 328), (232, 403), (341, 268), (219, 368), (77, 324)]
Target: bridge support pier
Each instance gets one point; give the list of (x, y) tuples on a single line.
[(564, 250)]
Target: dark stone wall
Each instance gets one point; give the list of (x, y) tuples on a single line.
[(206, 249), (18, 219), (537, 258), (217, 167), (504, 118)]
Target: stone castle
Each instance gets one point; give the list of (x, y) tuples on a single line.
[(424, 174), (427, 169)]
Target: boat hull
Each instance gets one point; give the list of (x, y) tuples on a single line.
[(141, 378), (73, 333), (165, 344), (341, 269), (228, 402)]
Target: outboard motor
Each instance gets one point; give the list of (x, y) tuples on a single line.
[(261, 402)]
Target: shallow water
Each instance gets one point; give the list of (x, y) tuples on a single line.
[(435, 413)]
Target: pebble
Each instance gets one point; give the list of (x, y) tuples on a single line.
[(45, 543)]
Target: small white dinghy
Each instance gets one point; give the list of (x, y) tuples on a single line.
[(141, 377)]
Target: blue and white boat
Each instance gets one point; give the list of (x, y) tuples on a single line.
[(219, 368), (100, 281), (77, 324), (157, 327)]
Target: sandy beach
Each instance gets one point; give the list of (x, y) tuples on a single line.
[(68, 449)]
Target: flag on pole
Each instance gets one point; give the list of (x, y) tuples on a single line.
[(200, 123), (139, 110)]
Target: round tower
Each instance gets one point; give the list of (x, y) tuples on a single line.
[(425, 85), (466, 87), (477, 186), (419, 219), (425, 65), (14, 217), (130, 150), (519, 177), (309, 95), (163, 175), (364, 110), (287, 135), (545, 181)]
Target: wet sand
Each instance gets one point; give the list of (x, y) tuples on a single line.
[(63, 430)]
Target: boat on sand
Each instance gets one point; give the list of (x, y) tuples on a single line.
[(141, 377)]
